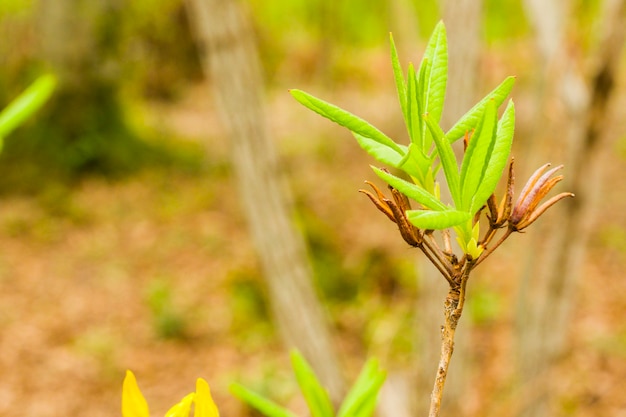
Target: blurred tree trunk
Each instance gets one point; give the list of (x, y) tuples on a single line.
[(463, 26), (555, 265), (230, 59), (400, 395), (404, 25), (463, 19), (81, 130)]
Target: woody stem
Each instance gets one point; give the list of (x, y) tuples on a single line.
[(453, 308)]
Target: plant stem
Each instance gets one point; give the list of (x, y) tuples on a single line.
[(453, 308)]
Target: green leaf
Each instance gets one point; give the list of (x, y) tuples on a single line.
[(410, 190), (361, 400), (381, 152), (418, 166), (498, 158), (470, 119), (344, 118), (257, 401), (437, 220), (448, 160), (315, 395), (477, 155), (434, 67), (26, 104), (413, 120), (399, 77)]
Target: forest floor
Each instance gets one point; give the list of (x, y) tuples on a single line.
[(157, 274)]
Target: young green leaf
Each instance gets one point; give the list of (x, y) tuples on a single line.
[(498, 158), (478, 154), (257, 401), (399, 77), (26, 104), (418, 166), (315, 395), (344, 118), (361, 399), (381, 152), (410, 190), (470, 119), (448, 160), (413, 120), (434, 70), (437, 220)]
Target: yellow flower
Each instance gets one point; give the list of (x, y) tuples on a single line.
[(205, 407), (134, 404)]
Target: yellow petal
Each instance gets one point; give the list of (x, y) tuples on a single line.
[(133, 402), (182, 408), (205, 407)]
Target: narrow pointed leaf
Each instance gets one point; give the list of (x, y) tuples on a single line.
[(26, 104), (418, 166), (260, 403), (478, 154), (470, 119), (410, 190), (315, 395), (414, 110), (344, 118), (498, 158), (399, 77), (381, 152), (437, 220), (448, 160), (361, 400), (434, 67)]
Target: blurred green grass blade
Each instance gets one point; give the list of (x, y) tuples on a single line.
[(477, 155), (344, 118), (260, 403), (470, 119), (379, 151), (434, 67), (26, 104), (498, 159), (315, 395), (411, 190), (447, 158), (361, 400), (437, 220)]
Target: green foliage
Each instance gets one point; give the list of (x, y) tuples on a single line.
[(505, 20), (421, 95), (485, 305), (168, 321), (124, 54), (359, 402), (26, 104)]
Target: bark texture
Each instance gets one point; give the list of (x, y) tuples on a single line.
[(230, 59)]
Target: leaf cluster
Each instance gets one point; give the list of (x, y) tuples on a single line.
[(359, 402), (421, 93)]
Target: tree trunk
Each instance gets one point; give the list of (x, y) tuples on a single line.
[(463, 25), (554, 268), (230, 60)]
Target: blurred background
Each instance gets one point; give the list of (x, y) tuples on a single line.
[(172, 210)]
